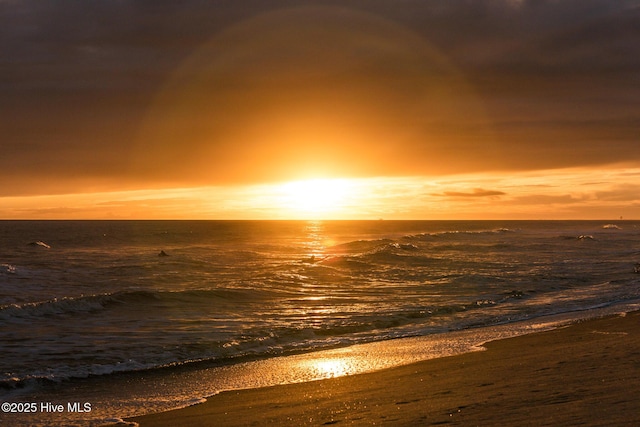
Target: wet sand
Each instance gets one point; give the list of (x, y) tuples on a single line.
[(584, 374)]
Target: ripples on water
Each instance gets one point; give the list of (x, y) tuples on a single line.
[(100, 300)]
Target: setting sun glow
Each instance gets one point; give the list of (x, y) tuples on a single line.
[(316, 198)]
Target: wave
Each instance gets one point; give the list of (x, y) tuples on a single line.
[(276, 341), (459, 233), (260, 342), (67, 305), (407, 243), (58, 374), (130, 299), (7, 269), (359, 246), (416, 249), (611, 227), (39, 244)]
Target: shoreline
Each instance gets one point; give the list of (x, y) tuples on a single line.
[(586, 371)]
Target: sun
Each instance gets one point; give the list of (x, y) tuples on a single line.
[(316, 198)]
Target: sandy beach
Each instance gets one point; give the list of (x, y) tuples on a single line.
[(584, 374)]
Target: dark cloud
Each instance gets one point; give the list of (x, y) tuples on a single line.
[(557, 81), (548, 200), (476, 192)]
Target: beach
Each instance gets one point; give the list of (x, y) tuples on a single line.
[(584, 374)]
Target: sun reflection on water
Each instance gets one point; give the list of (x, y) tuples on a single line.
[(330, 368), (315, 241)]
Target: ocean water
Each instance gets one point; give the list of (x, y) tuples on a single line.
[(90, 313)]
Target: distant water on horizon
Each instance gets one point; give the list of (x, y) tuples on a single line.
[(84, 299)]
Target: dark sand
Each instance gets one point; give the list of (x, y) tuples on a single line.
[(584, 374)]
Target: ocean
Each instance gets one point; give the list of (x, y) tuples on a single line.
[(101, 320)]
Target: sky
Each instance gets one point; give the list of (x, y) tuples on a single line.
[(356, 109)]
